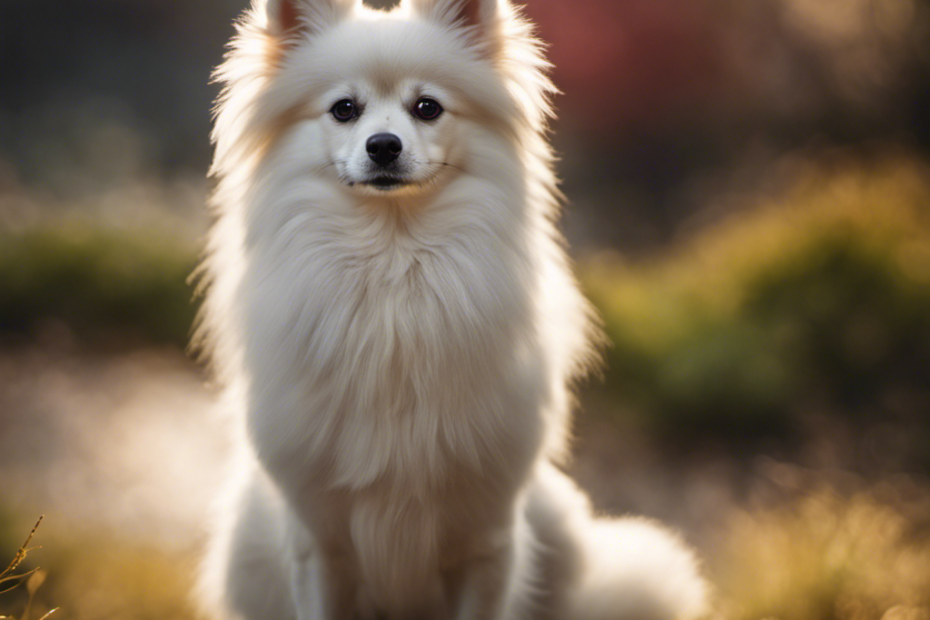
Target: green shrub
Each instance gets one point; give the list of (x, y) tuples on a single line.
[(821, 297), (96, 278)]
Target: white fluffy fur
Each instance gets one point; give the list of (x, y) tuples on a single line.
[(404, 356)]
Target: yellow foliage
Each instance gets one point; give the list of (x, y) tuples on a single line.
[(826, 557)]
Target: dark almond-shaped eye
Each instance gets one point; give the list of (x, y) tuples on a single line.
[(427, 109), (344, 110)]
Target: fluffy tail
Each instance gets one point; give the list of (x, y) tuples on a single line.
[(611, 569)]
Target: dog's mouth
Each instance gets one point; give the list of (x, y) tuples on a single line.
[(385, 183)]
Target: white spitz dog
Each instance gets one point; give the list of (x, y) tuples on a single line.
[(391, 302)]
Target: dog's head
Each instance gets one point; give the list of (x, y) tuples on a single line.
[(383, 103), (388, 136)]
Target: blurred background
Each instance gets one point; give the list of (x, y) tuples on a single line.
[(749, 207)]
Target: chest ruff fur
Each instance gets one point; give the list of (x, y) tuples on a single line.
[(400, 360)]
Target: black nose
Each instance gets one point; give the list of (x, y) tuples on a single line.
[(383, 148)]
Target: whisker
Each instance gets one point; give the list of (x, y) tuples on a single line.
[(325, 166), (445, 163)]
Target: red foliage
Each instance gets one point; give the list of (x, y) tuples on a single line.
[(625, 62)]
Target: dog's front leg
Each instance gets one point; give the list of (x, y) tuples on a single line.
[(321, 582), (486, 582), (499, 584)]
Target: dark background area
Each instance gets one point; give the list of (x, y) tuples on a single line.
[(660, 99)]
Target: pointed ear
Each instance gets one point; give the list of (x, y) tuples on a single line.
[(480, 14), (291, 18)]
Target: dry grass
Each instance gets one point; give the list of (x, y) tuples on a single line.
[(30, 579), (96, 575), (827, 555)]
